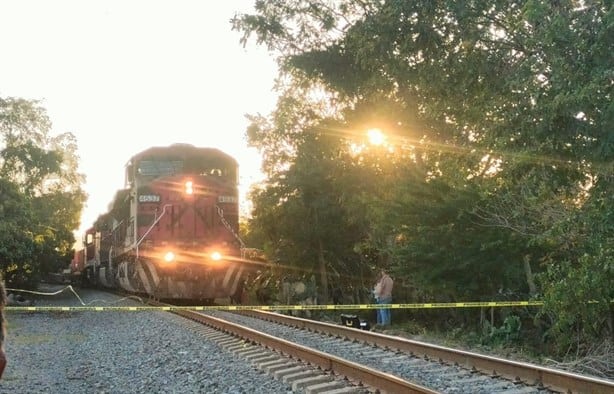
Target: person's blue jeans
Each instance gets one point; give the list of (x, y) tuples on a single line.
[(383, 314)]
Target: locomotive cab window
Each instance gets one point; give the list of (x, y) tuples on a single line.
[(156, 168), (211, 166)]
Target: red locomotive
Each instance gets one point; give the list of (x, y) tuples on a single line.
[(172, 232)]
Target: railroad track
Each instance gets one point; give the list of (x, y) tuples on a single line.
[(526, 377), (292, 361), (451, 370), (365, 361)]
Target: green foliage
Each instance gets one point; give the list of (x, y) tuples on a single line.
[(469, 261), (40, 194), (302, 216), (579, 283), (507, 333), (499, 117)]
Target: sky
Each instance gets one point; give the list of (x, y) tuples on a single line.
[(125, 75)]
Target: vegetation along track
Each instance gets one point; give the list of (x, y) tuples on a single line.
[(485, 373)]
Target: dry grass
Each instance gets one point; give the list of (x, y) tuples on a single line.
[(598, 362)]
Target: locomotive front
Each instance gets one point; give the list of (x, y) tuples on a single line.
[(176, 235)]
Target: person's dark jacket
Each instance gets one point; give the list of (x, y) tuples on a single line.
[(2, 327)]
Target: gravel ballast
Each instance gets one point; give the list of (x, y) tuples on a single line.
[(432, 374), (118, 352)]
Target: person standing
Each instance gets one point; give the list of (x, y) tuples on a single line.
[(383, 295), (2, 326)]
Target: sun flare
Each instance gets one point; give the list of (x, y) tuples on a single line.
[(376, 137)]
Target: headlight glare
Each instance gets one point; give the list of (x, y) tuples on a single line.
[(189, 187)]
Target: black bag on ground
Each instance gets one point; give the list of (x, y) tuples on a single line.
[(354, 322)]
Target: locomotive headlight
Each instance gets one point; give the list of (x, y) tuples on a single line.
[(216, 256), (189, 187), (169, 257)]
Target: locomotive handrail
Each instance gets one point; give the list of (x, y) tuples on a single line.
[(220, 213), (151, 227)]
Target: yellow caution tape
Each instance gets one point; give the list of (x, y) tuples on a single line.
[(273, 307), (87, 307), (489, 304)]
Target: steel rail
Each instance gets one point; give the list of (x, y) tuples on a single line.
[(553, 379), (355, 372)]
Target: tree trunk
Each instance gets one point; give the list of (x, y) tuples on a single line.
[(323, 274), (529, 274)]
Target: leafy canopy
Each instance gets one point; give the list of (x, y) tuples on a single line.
[(41, 191)]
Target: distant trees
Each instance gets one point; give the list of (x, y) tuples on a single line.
[(40, 193), (497, 180)]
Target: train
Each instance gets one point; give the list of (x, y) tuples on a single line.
[(172, 232)]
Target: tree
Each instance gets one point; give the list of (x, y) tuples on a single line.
[(503, 110), (43, 193), (17, 244), (302, 216)]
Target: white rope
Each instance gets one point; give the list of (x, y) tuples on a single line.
[(69, 287)]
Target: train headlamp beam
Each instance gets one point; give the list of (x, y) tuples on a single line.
[(189, 187)]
